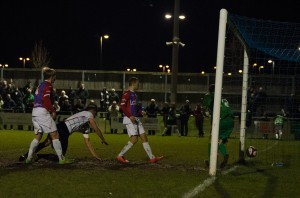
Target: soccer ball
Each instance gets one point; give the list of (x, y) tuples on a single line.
[(251, 151)]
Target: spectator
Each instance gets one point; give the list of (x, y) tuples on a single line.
[(292, 106), (72, 96), (65, 106), (27, 86), (165, 112), (140, 106), (250, 107), (9, 103), (104, 100), (113, 112), (56, 106), (9, 89), (1, 102), (260, 102), (12, 84), (78, 106), (114, 96), (171, 121), (250, 99), (63, 96), (199, 117), (82, 93), (17, 96), (28, 101), (54, 96), (3, 90), (152, 111), (185, 113), (250, 90), (208, 102)]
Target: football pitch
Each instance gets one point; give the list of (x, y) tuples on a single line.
[(180, 174)]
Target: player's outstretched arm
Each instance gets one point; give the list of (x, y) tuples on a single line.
[(90, 147), (97, 130)]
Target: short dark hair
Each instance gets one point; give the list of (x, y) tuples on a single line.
[(91, 107), (132, 80), (48, 72)]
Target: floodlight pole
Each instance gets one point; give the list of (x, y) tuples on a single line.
[(101, 53), (175, 52), (166, 83)]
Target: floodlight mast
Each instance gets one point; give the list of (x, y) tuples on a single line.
[(175, 52)]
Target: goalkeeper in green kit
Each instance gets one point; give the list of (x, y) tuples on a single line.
[(226, 127)]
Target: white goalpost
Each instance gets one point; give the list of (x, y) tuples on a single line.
[(218, 97), (218, 92), (244, 108)]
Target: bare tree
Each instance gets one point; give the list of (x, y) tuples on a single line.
[(40, 55)]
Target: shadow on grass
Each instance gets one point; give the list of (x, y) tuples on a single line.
[(220, 190), (272, 181)]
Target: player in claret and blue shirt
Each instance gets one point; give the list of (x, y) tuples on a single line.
[(43, 116), (135, 129)]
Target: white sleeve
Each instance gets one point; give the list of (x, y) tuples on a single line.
[(86, 136)]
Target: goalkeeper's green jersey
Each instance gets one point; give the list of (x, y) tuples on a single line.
[(208, 102), (226, 120), (225, 112), (278, 120)]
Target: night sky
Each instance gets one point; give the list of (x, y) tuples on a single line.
[(138, 31)]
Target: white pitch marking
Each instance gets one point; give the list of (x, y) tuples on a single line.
[(201, 187)]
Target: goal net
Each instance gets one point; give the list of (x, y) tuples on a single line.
[(257, 66)]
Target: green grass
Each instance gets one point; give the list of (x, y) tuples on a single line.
[(180, 171)]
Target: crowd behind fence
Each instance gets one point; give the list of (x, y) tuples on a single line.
[(73, 90), (262, 128), (191, 86)]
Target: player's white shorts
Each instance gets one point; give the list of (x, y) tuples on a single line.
[(42, 121), (133, 129)]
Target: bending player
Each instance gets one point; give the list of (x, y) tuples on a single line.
[(135, 129), (77, 122)]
